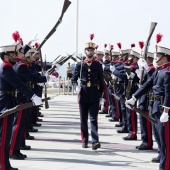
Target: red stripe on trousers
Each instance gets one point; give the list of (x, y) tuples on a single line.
[(149, 134), (15, 133), (117, 112), (132, 112), (3, 141), (82, 137), (167, 142), (106, 98)]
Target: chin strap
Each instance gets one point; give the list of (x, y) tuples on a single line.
[(160, 59)]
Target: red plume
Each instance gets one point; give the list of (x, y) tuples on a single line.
[(141, 44), (91, 36), (96, 47), (132, 45), (158, 38), (16, 36), (20, 39), (36, 45), (119, 45), (111, 47), (105, 45)]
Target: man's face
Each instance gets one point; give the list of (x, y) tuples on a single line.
[(12, 57), (89, 52), (159, 60), (20, 54), (107, 57), (135, 59), (32, 59), (99, 57)]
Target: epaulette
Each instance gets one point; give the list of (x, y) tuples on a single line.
[(6, 65)]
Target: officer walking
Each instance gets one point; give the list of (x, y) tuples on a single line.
[(90, 73)]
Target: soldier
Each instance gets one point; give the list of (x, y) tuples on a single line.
[(131, 122), (144, 104), (105, 63), (160, 84), (91, 75), (9, 82), (21, 69), (113, 103)]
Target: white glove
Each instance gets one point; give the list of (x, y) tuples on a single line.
[(164, 117), (33, 39), (47, 75), (103, 66), (112, 68), (102, 101), (130, 102), (132, 75), (139, 73), (142, 63), (77, 89), (113, 76), (57, 67), (40, 84), (37, 100)]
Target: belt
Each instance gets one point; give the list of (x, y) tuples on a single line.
[(88, 84), (158, 98), (8, 92)]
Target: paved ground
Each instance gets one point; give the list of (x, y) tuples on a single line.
[(57, 144)]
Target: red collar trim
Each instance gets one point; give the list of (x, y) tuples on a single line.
[(8, 63), (18, 59), (164, 66), (89, 61)]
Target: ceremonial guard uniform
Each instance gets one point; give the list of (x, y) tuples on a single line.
[(9, 82), (21, 121), (160, 84), (144, 104), (91, 75)]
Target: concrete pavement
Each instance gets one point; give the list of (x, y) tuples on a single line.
[(57, 144)]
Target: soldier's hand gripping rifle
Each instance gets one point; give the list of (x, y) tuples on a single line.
[(20, 107), (106, 78), (129, 86), (143, 113), (112, 82), (144, 55)]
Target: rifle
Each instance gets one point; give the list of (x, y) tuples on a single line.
[(129, 86), (65, 7), (106, 78), (20, 107), (45, 88), (61, 62), (152, 28), (141, 112), (56, 58), (112, 82), (111, 48), (41, 60)]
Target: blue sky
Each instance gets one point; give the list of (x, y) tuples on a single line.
[(112, 21)]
